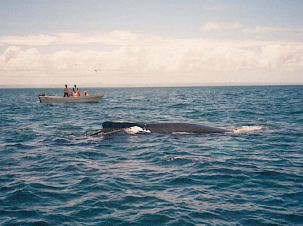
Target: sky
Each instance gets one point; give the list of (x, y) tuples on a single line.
[(150, 43)]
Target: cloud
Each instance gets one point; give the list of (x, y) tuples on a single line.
[(210, 26), (65, 38), (136, 58), (223, 26), (32, 40), (260, 29)]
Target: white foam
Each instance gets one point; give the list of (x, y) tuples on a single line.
[(135, 130), (247, 129), (182, 133), (173, 158)]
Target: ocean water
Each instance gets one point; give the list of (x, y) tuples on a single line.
[(53, 173)]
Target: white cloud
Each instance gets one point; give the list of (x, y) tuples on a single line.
[(110, 38), (260, 29), (134, 58), (221, 26), (32, 40), (210, 26)]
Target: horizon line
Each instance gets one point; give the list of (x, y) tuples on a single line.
[(136, 85)]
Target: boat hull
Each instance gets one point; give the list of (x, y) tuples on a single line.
[(94, 98)]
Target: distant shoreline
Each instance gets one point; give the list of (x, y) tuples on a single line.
[(149, 86)]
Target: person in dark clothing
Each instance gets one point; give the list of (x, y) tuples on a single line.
[(66, 91), (74, 89)]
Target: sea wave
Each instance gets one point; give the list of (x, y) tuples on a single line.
[(247, 129)]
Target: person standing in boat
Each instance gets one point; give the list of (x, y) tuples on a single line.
[(66, 91), (75, 90)]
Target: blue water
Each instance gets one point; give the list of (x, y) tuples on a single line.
[(52, 173)]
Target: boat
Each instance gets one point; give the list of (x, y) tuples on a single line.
[(92, 98)]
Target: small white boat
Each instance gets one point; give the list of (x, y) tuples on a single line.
[(93, 98)]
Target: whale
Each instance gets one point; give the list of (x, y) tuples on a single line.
[(165, 127)]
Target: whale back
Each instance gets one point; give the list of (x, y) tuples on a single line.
[(182, 128), (163, 127)]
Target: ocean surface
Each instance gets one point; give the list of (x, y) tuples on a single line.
[(53, 173)]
